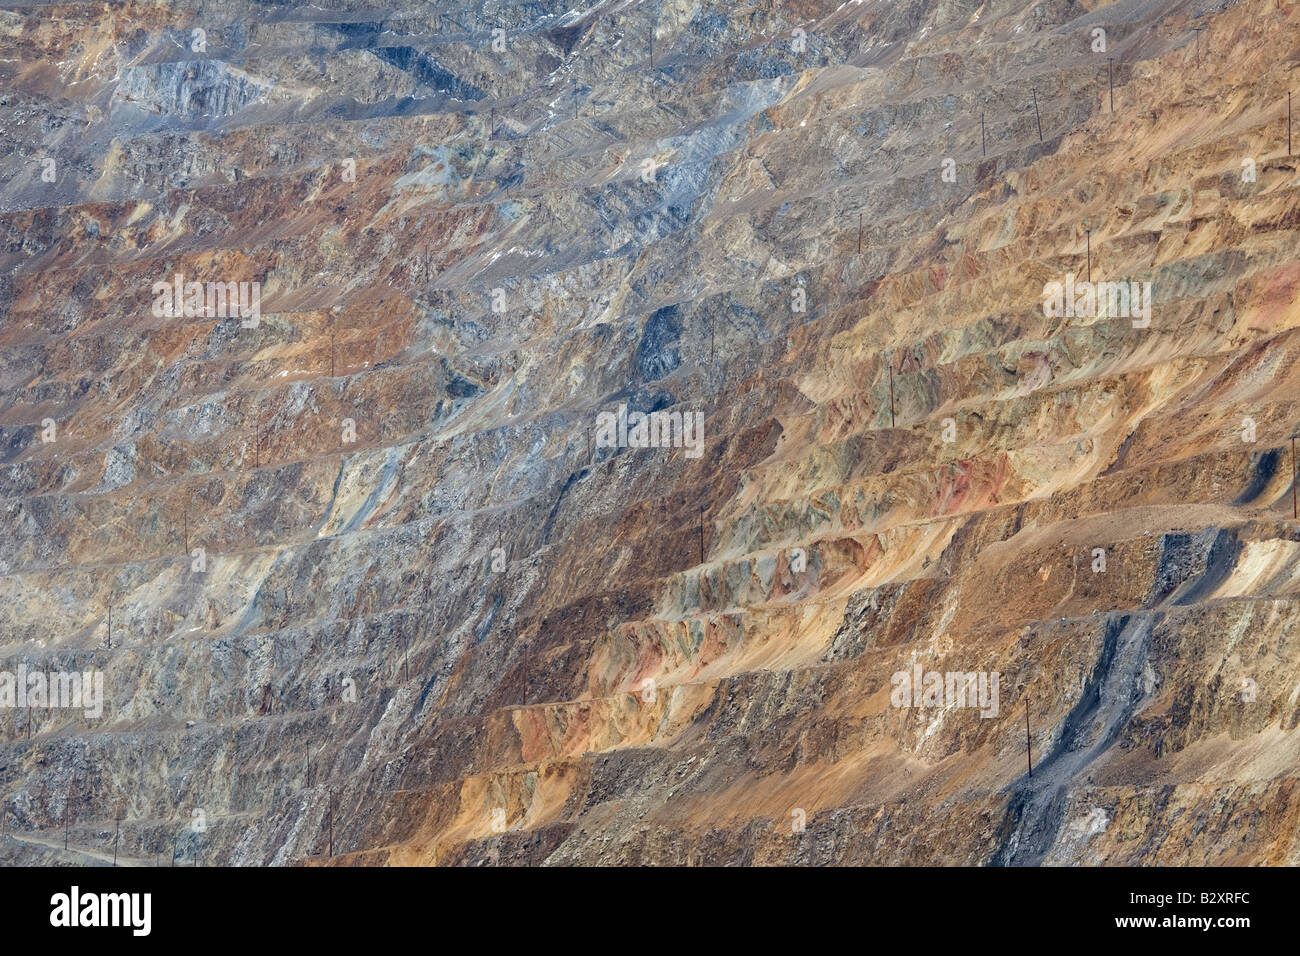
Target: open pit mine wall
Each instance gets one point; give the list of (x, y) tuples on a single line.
[(372, 572)]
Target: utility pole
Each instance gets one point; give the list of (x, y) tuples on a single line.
[(891, 392), (701, 534), (1028, 754)]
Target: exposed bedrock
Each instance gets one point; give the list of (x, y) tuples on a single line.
[(368, 582)]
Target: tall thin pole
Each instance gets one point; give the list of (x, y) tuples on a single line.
[(1028, 748), (891, 393), (701, 534), (1037, 118)]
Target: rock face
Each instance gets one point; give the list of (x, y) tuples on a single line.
[(374, 570)]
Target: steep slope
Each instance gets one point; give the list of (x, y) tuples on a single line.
[(474, 634)]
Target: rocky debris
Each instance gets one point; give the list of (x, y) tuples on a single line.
[(368, 584)]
